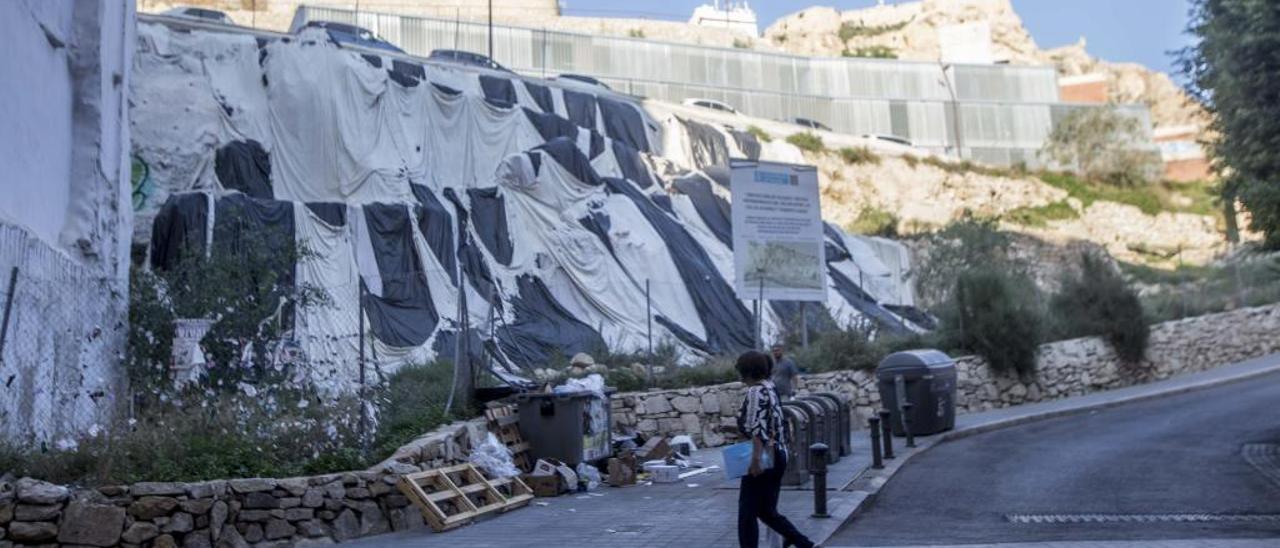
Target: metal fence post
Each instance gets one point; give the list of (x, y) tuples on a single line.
[(906, 424), (8, 307)]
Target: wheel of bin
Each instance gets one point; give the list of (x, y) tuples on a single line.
[(831, 436), (846, 420)]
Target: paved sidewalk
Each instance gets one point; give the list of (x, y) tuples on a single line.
[(1198, 543), (702, 510)]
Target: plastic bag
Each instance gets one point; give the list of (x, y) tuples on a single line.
[(493, 458), (588, 475), (593, 383)]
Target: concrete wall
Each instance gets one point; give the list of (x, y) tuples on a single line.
[(65, 219), (1066, 368)]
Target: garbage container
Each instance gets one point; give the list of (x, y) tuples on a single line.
[(572, 427), (926, 379), (846, 420), (798, 427), (830, 436)]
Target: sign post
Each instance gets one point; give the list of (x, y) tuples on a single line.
[(778, 242)]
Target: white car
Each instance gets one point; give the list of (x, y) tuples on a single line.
[(202, 14), (711, 104)]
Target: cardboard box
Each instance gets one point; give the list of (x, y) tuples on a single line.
[(622, 471), (545, 486), (656, 448)]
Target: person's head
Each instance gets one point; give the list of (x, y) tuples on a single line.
[(777, 351), (753, 366)]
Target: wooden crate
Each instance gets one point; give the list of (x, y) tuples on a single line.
[(454, 496), (504, 422)]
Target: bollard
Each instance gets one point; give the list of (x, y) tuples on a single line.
[(888, 433), (818, 467), (906, 424), (874, 425)]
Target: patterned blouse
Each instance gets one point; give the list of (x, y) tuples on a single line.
[(761, 415)]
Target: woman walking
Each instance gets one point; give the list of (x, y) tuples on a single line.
[(761, 420)]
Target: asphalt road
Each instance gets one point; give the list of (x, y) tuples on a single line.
[(1175, 455)]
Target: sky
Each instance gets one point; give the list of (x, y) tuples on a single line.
[(1139, 31)]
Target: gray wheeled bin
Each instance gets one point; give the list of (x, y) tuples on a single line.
[(926, 379), (571, 427), (797, 471)]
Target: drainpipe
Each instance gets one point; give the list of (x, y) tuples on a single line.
[(955, 110)]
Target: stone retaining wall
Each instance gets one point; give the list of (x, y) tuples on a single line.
[(232, 513), (1066, 368)]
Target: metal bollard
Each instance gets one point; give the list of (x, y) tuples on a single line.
[(873, 424), (906, 424), (885, 414), (818, 467)]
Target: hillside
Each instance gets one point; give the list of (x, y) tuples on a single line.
[(910, 31)]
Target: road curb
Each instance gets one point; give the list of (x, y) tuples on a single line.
[(924, 444)]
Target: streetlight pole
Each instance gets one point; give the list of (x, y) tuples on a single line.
[(491, 29)]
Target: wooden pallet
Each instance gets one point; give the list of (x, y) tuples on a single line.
[(505, 424), (454, 496)]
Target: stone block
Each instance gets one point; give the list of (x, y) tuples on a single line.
[(32, 491), (299, 514), (196, 507), (31, 532), (710, 403), (313, 528), (91, 524), (37, 512), (656, 404), (346, 526), (251, 485), (217, 518), (686, 404), (278, 529), (140, 532), (165, 541), (260, 500), (690, 423), (293, 486), (253, 533), (152, 507), (253, 515), (180, 522), (158, 489)]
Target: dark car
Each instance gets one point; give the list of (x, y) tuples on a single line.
[(465, 58), (809, 123), (584, 79), (344, 33)]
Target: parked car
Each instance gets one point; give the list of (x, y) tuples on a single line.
[(344, 33), (202, 14), (466, 58), (711, 104), (888, 138), (584, 79), (809, 123)]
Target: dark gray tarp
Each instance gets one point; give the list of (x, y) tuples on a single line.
[(728, 323), (566, 153), (747, 143), (406, 74), (474, 267), (713, 210), (863, 302), (580, 108), (374, 60), (632, 165), (179, 227), (436, 224), (708, 144), (816, 316), (404, 315), (541, 95), (598, 223), (446, 89), (663, 201), (244, 166), (241, 221), (333, 213), (543, 328), (551, 126), (489, 217), (914, 315), (622, 122), (498, 90), (446, 345)]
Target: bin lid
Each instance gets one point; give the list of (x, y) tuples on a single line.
[(914, 361)]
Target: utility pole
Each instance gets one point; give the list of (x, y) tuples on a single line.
[(490, 30)]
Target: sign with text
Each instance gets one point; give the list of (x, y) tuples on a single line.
[(777, 232)]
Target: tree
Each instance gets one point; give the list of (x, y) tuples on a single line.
[(1234, 71), (1099, 142), (1097, 301)]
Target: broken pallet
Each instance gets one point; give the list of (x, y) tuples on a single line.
[(454, 496), (504, 422)]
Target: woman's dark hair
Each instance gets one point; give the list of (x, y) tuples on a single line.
[(754, 366)]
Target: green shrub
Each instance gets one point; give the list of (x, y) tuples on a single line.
[(1101, 144), (911, 160), (807, 141), (1197, 290), (1097, 301), (993, 313), (715, 370), (741, 44), (873, 221), (961, 245), (871, 52), (1041, 215), (859, 155), (850, 30), (636, 33), (411, 403), (760, 134)]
